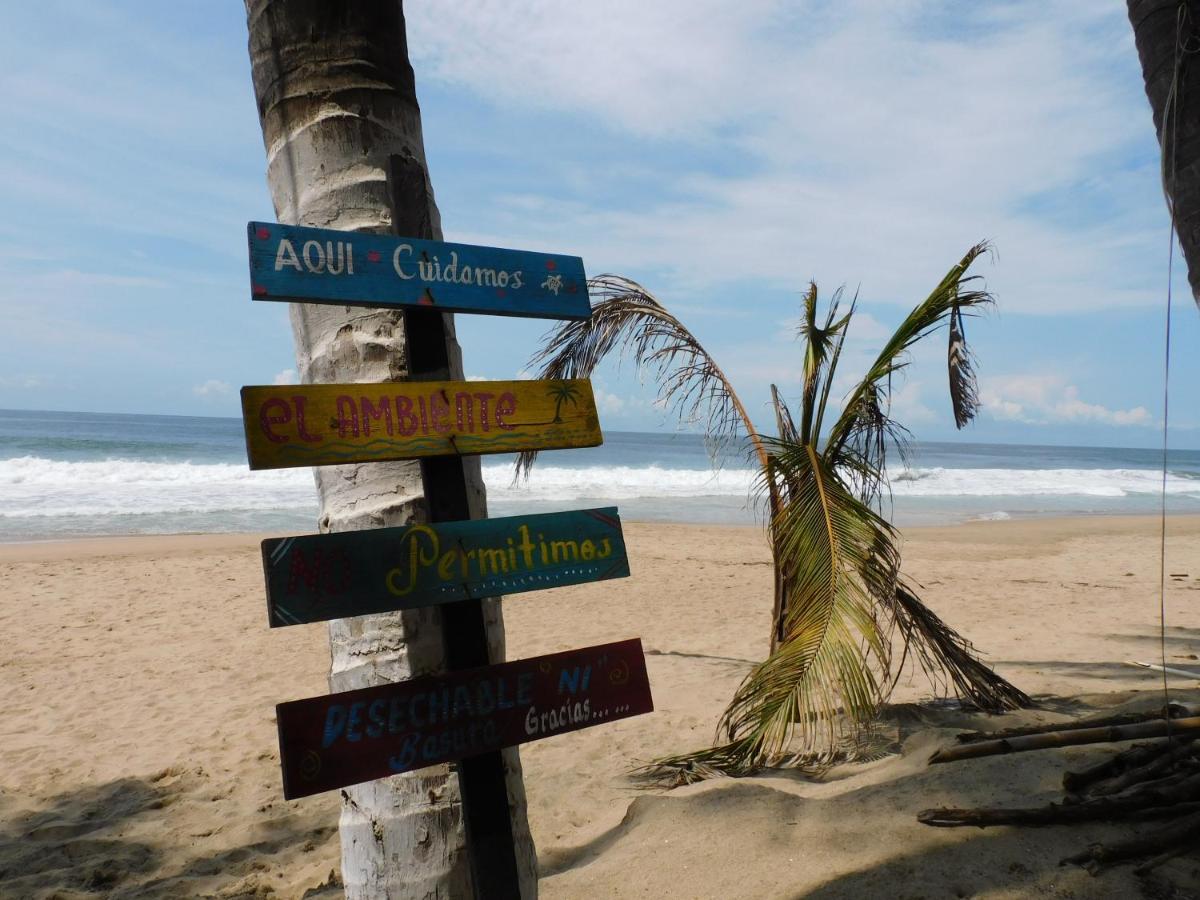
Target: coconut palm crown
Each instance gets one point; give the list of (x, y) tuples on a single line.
[(844, 618)]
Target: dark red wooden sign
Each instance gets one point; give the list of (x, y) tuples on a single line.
[(341, 739)]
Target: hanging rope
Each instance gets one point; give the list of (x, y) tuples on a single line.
[(1186, 44)]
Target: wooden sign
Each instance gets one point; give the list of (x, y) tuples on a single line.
[(353, 573), (341, 739), (327, 424), (348, 268)]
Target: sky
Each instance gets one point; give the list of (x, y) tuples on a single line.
[(722, 155)]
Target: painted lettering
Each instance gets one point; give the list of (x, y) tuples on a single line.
[(483, 397), (403, 248), (335, 721), (354, 720), (416, 559), (347, 416), (382, 411), (406, 420), (301, 425), (314, 257), (439, 411), (286, 256), (506, 405), (266, 419), (564, 551), (376, 722), (340, 256), (403, 760), (466, 411)]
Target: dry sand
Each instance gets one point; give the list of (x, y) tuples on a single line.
[(138, 754)]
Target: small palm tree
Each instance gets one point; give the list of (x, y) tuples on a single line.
[(844, 617), (562, 393)]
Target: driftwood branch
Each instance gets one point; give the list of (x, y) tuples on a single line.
[(1058, 814), (1173, 752), (1137, 755), (1172, 711), (1069, 738), (1165, 842)]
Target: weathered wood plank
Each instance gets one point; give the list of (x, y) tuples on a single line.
[(332, 576), (327, 424), (320, 265), (345, 738)]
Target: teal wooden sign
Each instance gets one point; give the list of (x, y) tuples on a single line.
[(353, 573), (347, 268)]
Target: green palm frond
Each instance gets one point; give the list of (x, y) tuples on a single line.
[(838, 562), (842, 612)]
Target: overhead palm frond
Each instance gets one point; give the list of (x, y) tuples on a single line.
[(627, 317)]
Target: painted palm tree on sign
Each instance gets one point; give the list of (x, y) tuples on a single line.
[(845, 619), (562, 393)]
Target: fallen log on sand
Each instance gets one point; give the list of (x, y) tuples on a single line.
[(1068, 738)]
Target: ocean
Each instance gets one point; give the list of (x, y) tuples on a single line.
[(86, 474)]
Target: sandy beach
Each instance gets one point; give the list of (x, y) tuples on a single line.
[(138, 755)]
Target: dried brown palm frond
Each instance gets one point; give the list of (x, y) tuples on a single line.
[(626, 317), (945, 655)]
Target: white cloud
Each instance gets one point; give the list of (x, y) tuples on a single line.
[(212, 388), (1050, 400), (856, 145), (606, 403), (73, 279), (23, 381), (908, 408), (287, 376)]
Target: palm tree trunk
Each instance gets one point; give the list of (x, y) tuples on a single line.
[(1173, 88), (337, 102)]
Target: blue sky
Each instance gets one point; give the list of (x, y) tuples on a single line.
[(721, 154)]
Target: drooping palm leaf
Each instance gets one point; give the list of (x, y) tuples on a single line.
[(942, 652), (627, 317), (963, 394), (861, 437)]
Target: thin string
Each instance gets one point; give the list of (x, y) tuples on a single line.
[(1162, 539), (1170, 126)]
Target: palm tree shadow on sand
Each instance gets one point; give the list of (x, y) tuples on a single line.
[(115, 839)]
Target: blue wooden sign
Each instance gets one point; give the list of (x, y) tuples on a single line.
[(353, 573), (347, 268)]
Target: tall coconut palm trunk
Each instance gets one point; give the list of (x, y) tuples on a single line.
[(342, 129), (1167, 33)]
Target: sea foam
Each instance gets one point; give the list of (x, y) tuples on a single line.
[(35, 487)]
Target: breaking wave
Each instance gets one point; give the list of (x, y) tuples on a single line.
[(31, 486)]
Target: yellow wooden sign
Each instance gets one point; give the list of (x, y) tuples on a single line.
[(327, 424)]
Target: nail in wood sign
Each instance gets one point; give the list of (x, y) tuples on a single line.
[(332, 576), (348, 268), (341, 739), (327, 424)]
